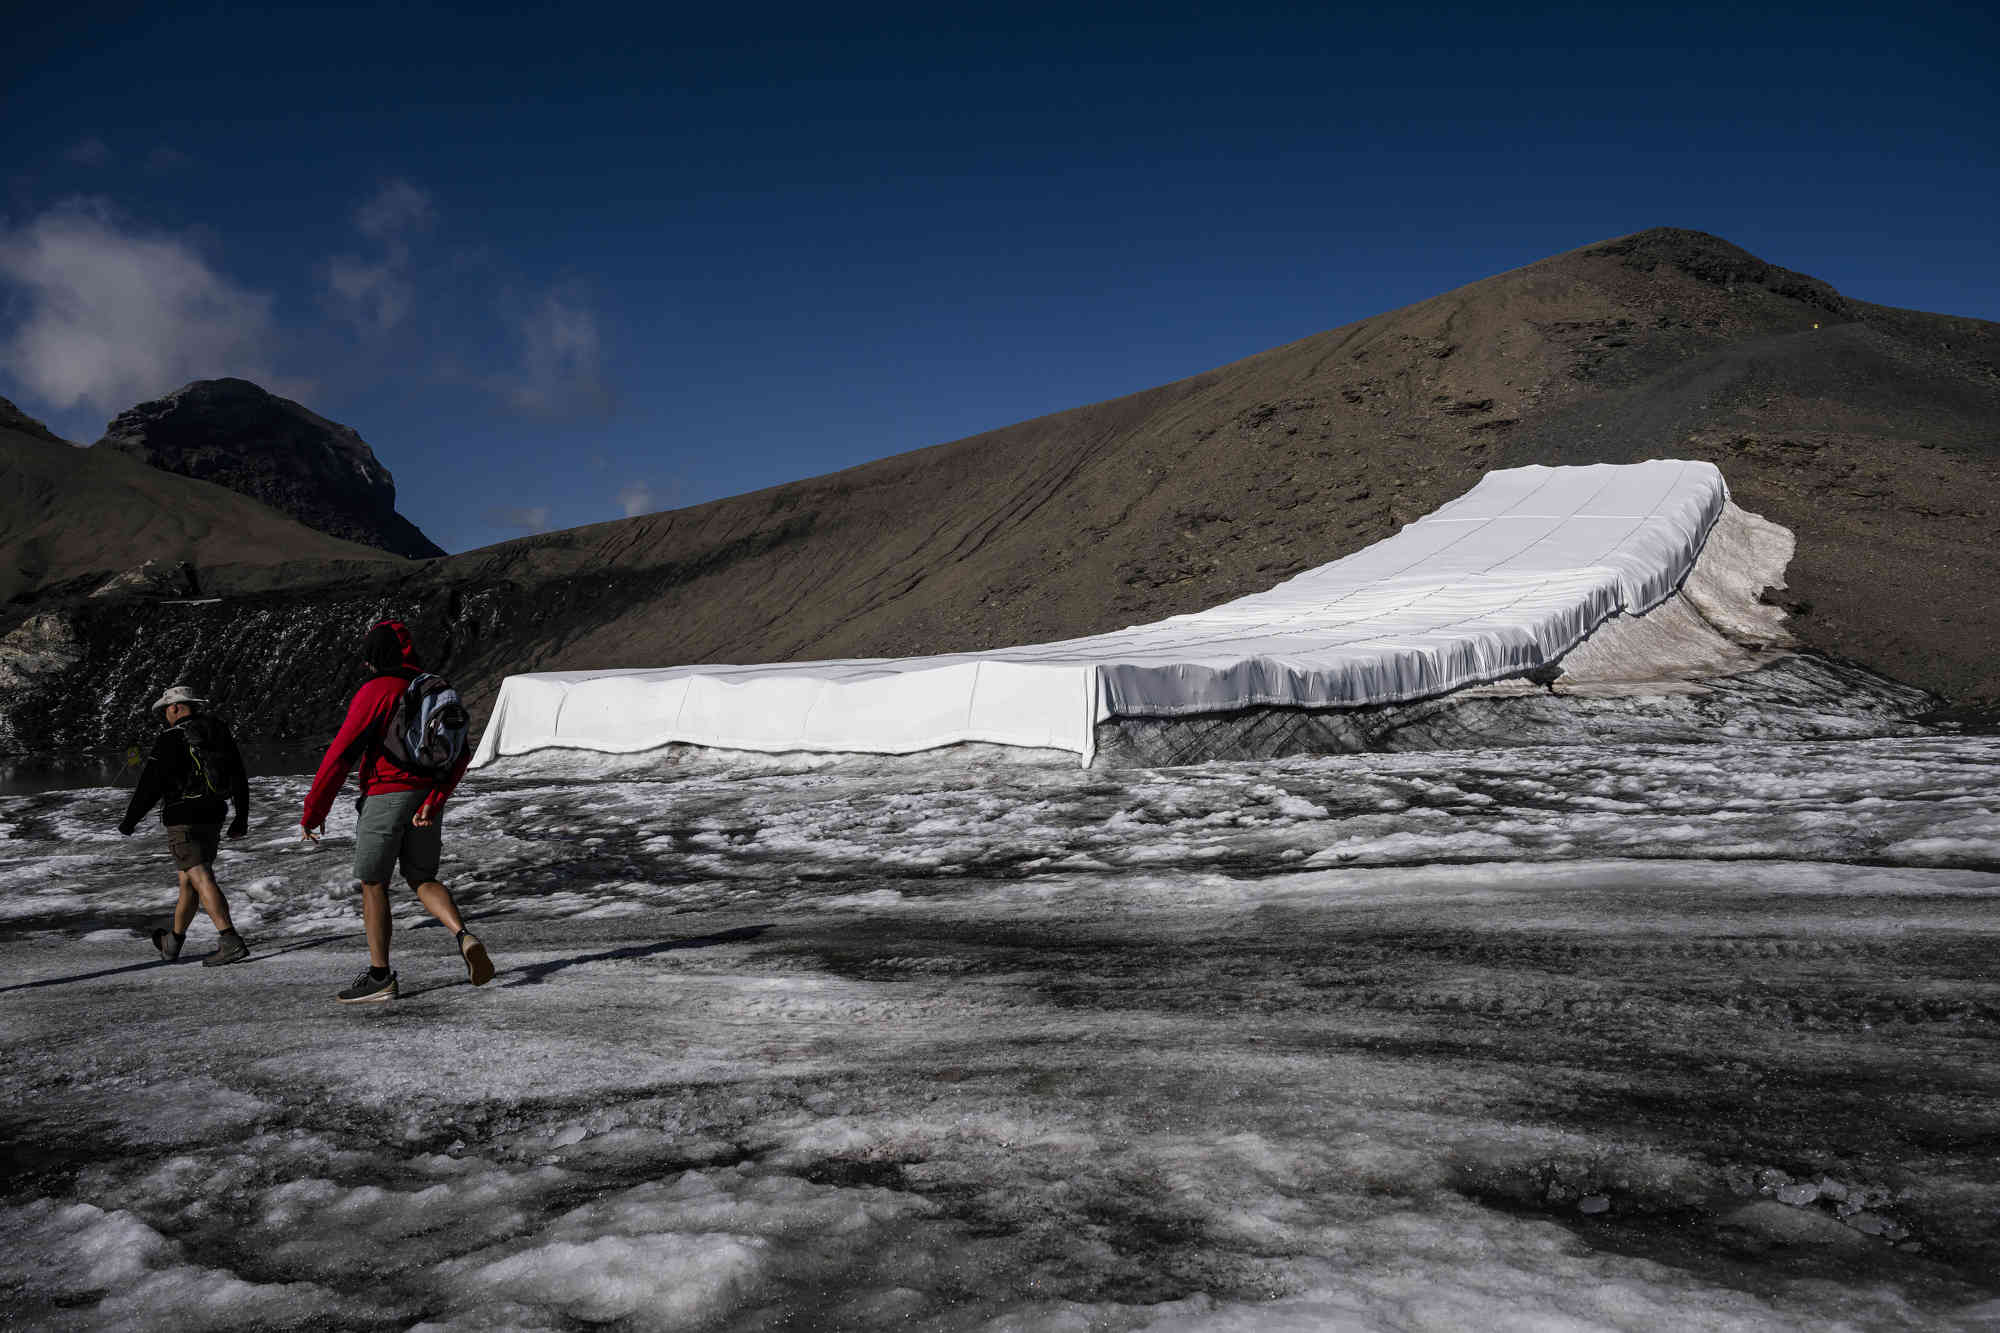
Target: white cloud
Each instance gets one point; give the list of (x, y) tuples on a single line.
[(90, 152), (112, 316), (378, 294), (524, 518), (397, 208), (374, 296), (561, 369), (643, 497)]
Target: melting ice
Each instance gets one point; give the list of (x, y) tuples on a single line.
[(1667, 1037)]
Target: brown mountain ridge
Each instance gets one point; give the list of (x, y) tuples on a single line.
[(1873, 433)]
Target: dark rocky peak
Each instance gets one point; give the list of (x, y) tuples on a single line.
[(1712, 260), (233, 433), (13, 418)]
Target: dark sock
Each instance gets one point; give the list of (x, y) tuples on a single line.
[(462, 932), (378, 974), (180, 937)]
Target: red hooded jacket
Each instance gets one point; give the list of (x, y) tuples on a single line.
[(360, 738)]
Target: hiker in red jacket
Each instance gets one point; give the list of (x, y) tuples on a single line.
[(401, 817)]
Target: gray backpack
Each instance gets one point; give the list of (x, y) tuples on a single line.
[(427, 731)]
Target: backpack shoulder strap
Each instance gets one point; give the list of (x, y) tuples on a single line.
[(195, 777), (389, 718), (407, 689)]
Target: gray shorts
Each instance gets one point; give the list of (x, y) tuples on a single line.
[(384, 838), (193, 844)]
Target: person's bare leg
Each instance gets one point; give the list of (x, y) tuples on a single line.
[(375, 920), (437, 900), (184, 908), (202, 880)]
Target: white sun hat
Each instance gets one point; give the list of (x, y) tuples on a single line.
[(179, 694)]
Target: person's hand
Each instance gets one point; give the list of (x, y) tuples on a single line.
[(311, 834), (425, 817), (127, 829), (240, 827)]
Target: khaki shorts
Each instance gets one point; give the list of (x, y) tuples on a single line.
[(193, 844), (384, 838)]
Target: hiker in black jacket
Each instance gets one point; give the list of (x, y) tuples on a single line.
[(196, 769)]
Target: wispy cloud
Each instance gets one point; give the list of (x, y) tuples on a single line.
[(520, 518), (561, 370), (635, 498), (113, 315), (166, 158), (643, 497), (89, 152), (397, 209), (376, 294)]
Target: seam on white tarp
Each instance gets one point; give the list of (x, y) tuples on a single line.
[(806, 719), (562, 701)]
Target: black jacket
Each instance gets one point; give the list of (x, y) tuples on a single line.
[(170, 775)]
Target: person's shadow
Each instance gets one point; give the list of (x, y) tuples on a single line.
[(534, 974), (192, 959)]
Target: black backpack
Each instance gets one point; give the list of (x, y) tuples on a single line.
[(427, 730), (211, 759)]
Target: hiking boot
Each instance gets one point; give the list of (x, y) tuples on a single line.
[(229, 948), (477, 965), (367, 990), (168, 943)]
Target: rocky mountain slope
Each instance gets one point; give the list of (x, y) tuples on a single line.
[(1873, 433), (72, 520), (1870, 432), (233, 433)]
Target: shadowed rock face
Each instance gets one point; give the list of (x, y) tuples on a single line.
[(74, 522), (233, 433)]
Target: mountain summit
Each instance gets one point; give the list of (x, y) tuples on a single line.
[(1866, 430), (235, 434), (71, 519)]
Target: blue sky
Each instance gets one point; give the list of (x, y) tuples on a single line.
[(572, 262)]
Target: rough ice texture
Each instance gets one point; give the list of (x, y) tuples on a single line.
[(1794, 698), (1509, 577), (1321, 1043)]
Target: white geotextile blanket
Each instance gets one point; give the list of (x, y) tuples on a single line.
[(1506, 577)]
